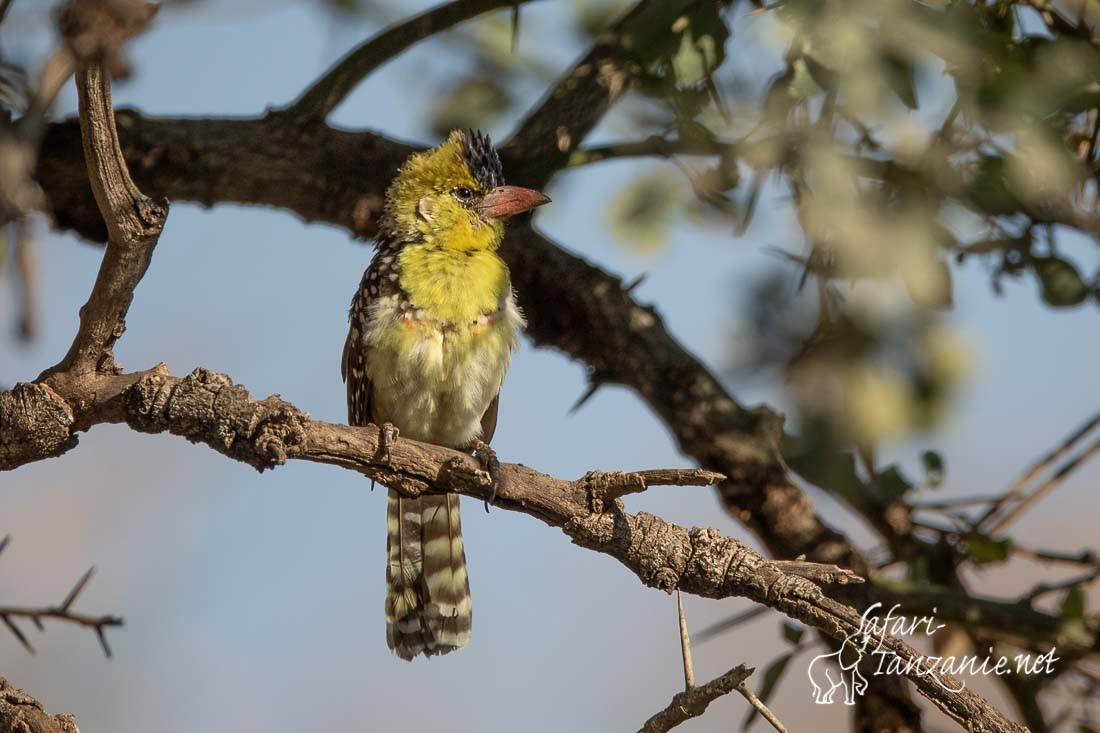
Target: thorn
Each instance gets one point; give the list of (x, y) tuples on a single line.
[(103, 641), (37, 623), (77, 589), (685, 644), (18, 633), (4, 542), (629, 288), (596, 384)]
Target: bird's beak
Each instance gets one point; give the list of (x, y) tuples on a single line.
[(504, 201)]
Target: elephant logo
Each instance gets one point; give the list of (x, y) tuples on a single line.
[(827, 672)]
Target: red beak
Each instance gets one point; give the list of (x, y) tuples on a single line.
[(504, 201)]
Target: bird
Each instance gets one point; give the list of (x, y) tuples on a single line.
[(432, 328)]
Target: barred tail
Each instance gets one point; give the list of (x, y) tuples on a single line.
[(427, 591)]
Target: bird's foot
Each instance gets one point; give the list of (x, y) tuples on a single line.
[(387, 436), (487, 457)]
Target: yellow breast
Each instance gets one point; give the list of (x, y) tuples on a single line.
[(453, 285)]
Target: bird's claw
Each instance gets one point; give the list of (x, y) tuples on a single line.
[(387, 436), (487, 457)]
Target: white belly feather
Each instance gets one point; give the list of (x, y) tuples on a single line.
[(434, 380)]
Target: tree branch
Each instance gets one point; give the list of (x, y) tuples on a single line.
[(545, 138), (134, 223), (324, 95), (253, 161), (208, 408), (61, 612), (21, 712), (262, 162), (694, 702)]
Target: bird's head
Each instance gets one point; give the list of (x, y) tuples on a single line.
[(454, 195)]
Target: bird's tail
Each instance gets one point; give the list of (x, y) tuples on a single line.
[(427, 590)]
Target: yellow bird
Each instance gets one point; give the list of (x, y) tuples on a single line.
[(433, 325)]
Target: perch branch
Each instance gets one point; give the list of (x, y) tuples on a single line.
[(208, 408)]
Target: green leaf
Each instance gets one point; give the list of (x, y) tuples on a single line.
[(934, 469), (1060, 284), (642, 212), (793, 633), (803, 84), (690, 53), (1073, 606), (892, 482), (989, 188), (983, 549), (929, 285)]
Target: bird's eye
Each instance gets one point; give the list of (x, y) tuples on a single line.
[(463, 193)]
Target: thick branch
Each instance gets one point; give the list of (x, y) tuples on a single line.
[(325, 94), (134, 223), (261, 163), (544, 140), (264, 162), (21, 712), (208, 408)]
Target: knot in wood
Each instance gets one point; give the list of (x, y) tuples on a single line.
[(666, 579)]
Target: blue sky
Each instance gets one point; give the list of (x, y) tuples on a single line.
[(255, 601)]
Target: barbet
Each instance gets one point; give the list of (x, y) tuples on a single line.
[(433, 325)]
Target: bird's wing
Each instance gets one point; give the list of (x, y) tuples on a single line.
[(489, 420), (353, 362), (354, 371)]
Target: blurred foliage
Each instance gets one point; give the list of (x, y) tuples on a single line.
[(642, 212)]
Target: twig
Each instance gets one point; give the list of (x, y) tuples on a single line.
[(685, 644), (1045, 488), (606, 486), (61, 612), (56, 70), (652, 146), (818, 572), (1036, 468), (1043, 589), (26, 281), (693, 703), (761, 708), (947, 504), (1084, 557), (327, 92)]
